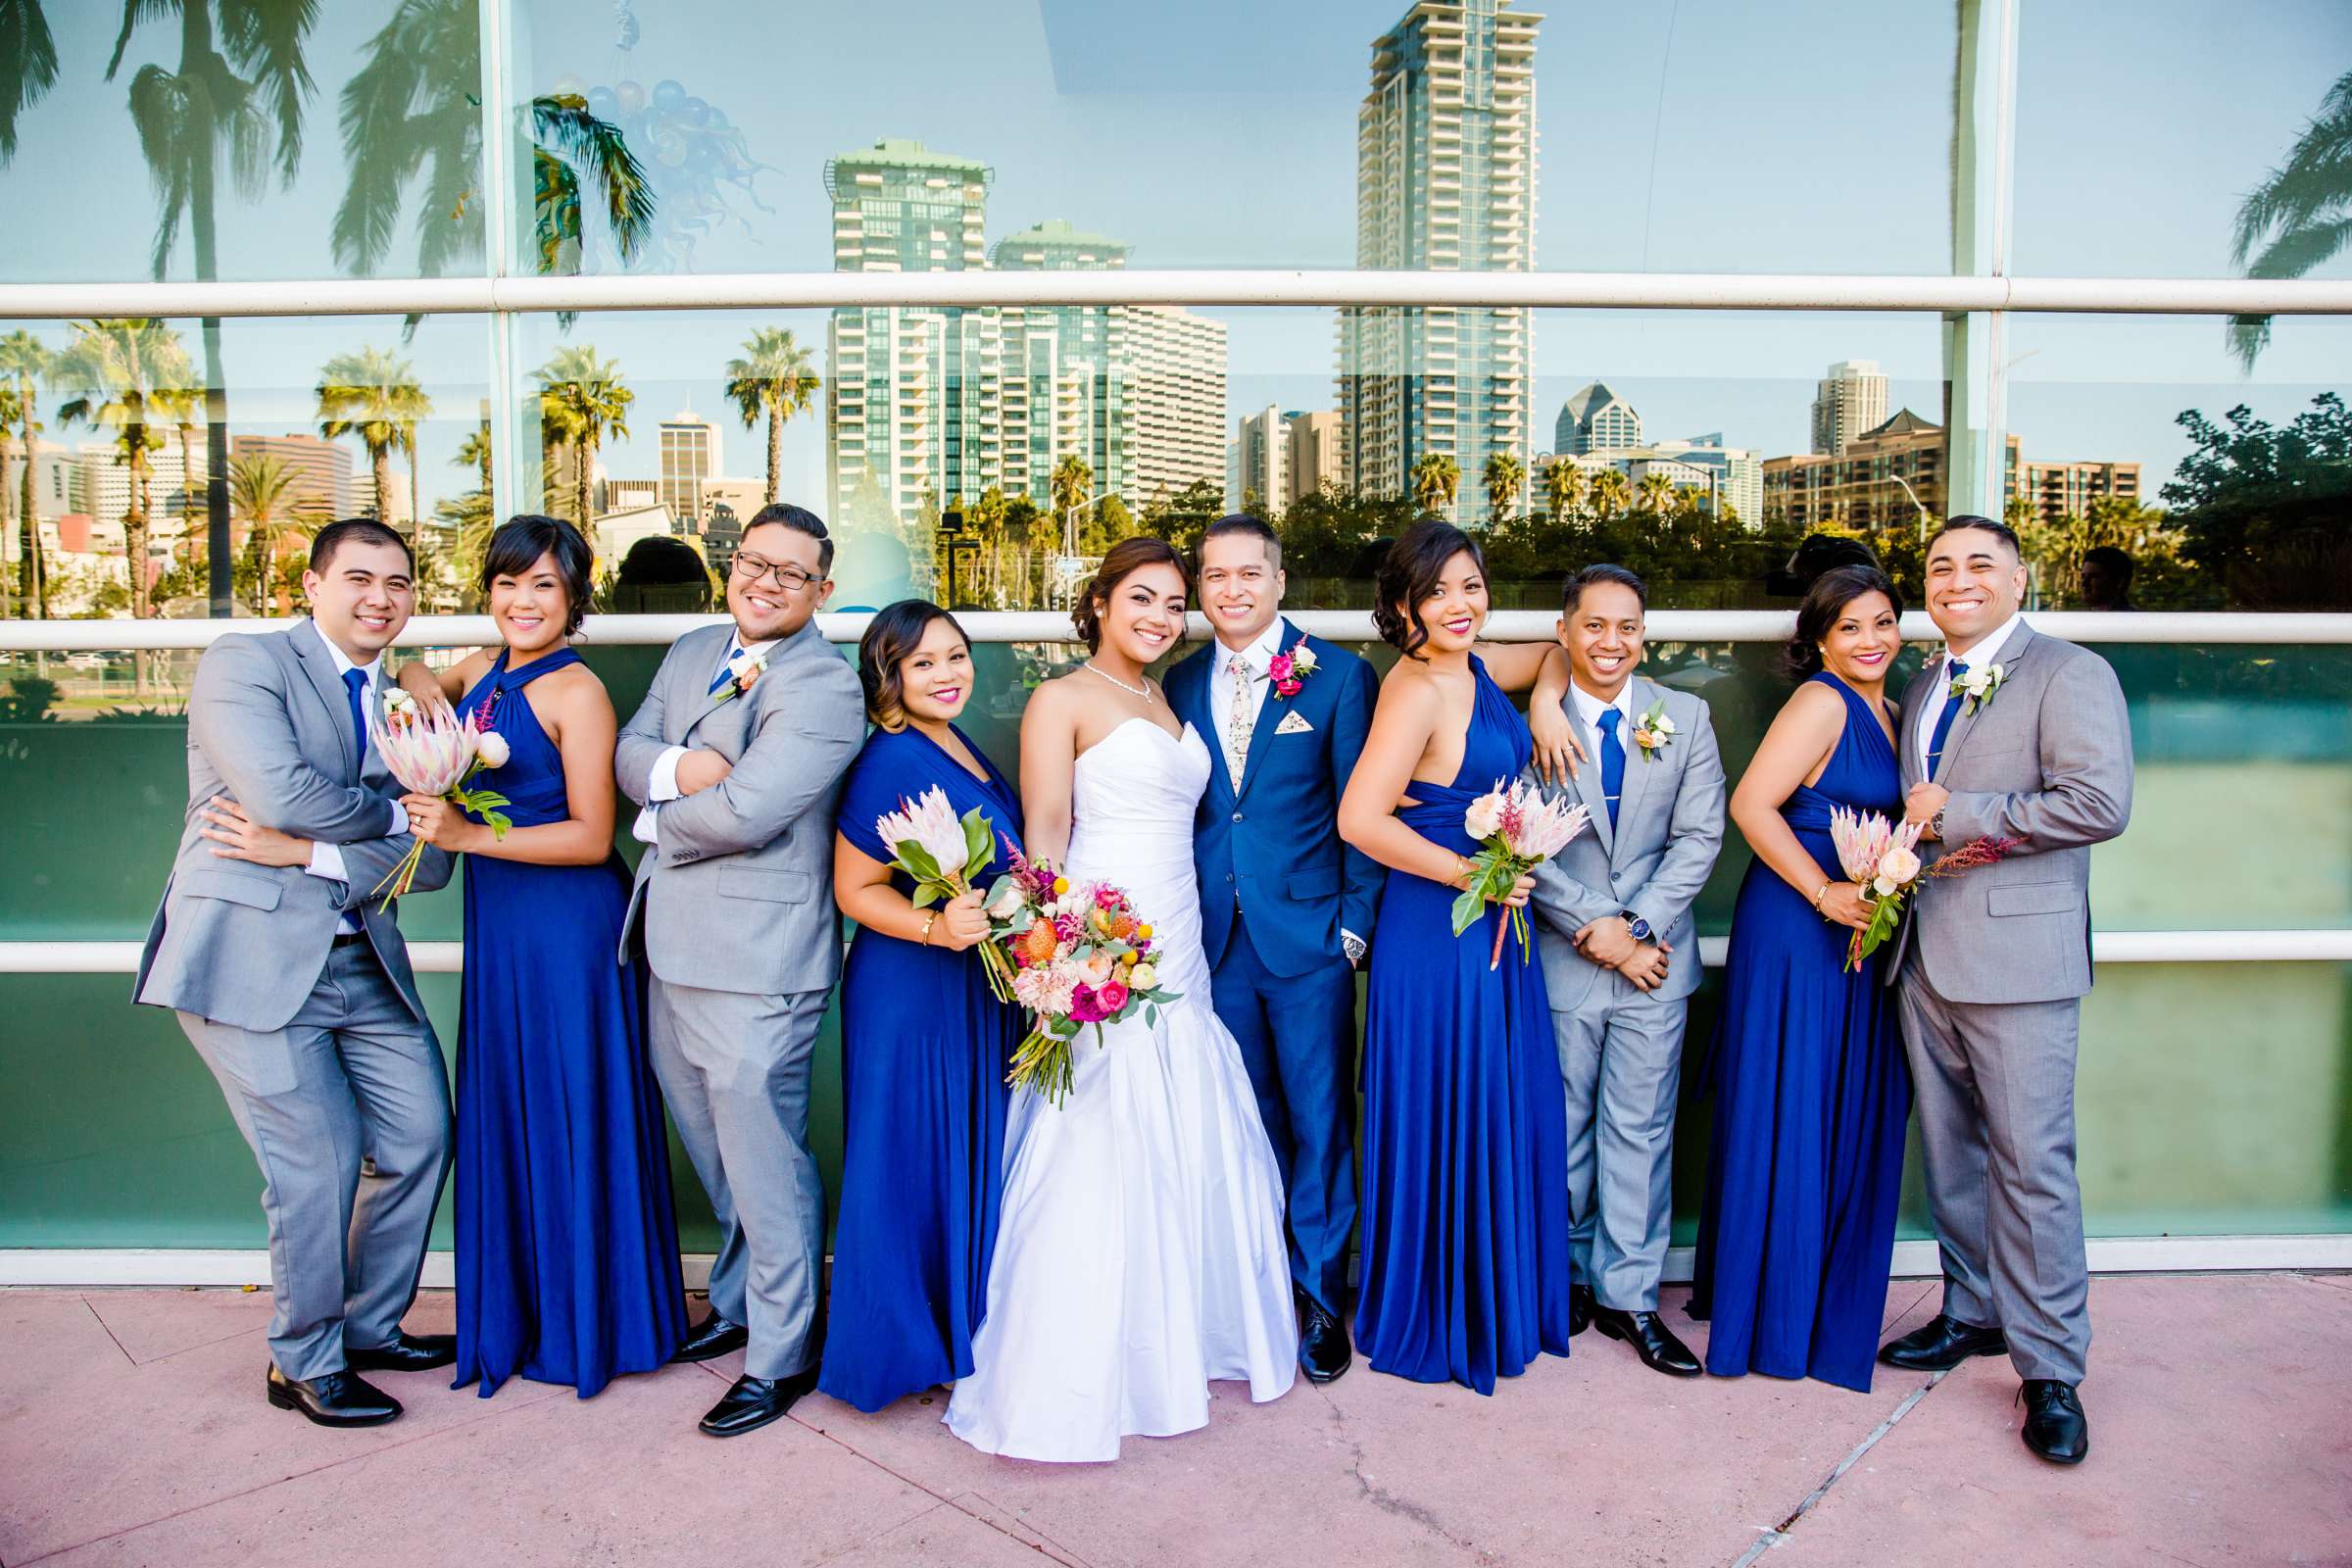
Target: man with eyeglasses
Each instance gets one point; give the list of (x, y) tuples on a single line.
[(737, 757)]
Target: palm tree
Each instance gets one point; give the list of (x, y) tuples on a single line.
[(29, 361), (240, 86), (1436, 478), (377, 398), (1611, 492), (582, 399), (1656, 489), (2300, 216), (28, 66), (414, 108), (1503, 476), (1564, 487), (265, 494), (129, 372), (1071, 482), (774, 377)]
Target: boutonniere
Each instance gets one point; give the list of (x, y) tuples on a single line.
[(742, 671), (1978, 687), (1653, 731), (1290, 670), (399, 707)]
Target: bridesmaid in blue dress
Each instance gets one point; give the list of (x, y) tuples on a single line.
[(924, 1042), (1465, 1235), (567, 1240), (1811, 1089)]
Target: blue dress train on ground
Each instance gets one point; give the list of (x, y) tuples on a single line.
[(925, 1050), (1811, 1096), (566, 1237), (1465, 1208)]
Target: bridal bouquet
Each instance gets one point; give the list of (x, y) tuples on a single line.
[(944, 853), (1081, 955), (1883, 859), (436, 756), (1517, 829)]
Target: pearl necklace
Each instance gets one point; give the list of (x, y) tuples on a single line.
[(1143, 691)]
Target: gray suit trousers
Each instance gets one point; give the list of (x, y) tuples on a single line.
[(353, 1075), (735, 1068), (1620, 1054), (1994, 1085)]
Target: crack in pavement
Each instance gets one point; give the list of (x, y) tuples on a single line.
[(1379, 1496), (1812, 1499)]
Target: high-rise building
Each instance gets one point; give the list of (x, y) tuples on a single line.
[(322, 469), (1734, 475), (104, 488), (1594, 418), (1067, 379), (1179, 398), (912, 397), (1261, 453), (1445, 157), (2066, 489), (1846, 403), (1886, 477), (1313, 459), (690, 460)]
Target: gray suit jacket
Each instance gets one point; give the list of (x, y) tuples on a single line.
[(1653, 861), (2049, 762), (270, 727), (738, 893)]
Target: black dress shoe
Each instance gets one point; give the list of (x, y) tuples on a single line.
[(410, 1352), (333, 1399), (2055, 1425), (1943, 1343), (715, 1337), (753, 1403), (1581, 1302), (1323, 1349), (1650, 1338)]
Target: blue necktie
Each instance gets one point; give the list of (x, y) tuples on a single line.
[(355, 681), (1612, 760), (1943, 720), (726, 670)]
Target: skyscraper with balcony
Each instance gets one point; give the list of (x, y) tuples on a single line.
[(1068, 373), (1848, 403), (913, 397), (1445, 157), (1179, 399)]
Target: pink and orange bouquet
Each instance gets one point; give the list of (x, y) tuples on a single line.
[(945, 853), (431, 756), (1081, 955), (1518, 828), (1883, 859)]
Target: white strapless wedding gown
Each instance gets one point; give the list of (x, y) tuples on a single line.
[(1140, 1249)]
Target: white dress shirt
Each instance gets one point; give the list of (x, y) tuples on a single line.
[(1986, 652), (1257, 655), (1588, 709), (327, 859), (664, 783)]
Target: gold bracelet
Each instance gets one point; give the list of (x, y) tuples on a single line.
[(929, 920), (1820, 894)]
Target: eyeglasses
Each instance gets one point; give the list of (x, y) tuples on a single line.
[(792, 579)]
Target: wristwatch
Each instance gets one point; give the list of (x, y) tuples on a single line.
[(1352, 946), (1935, 825), (1635, 924)]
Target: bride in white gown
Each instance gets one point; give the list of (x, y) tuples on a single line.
[(1140, 1249)]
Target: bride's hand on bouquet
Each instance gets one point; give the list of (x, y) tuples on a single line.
[(433, 820), (1842, 904), (962, 924)]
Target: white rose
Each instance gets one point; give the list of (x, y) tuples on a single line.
[(1302, 660), (491, 747), (1882, 884), (397, 700), (1663, 725), (1143, 977), (1005, 900), (1484, 819), (1898, 863)]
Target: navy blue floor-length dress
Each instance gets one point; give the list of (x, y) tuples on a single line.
[(1465, 1206), (567, 1238), (1811, 1096), (925, 1050)]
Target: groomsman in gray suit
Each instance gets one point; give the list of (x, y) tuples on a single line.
[(2015, 735), (293, 983), (736, 758), (1621, 955)]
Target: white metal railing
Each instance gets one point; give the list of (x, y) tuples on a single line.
[(1470, 290), (1337, 625)]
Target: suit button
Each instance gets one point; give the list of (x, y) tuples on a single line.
[(1229, 876), (1237, 816)]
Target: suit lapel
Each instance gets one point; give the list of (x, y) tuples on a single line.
[(1188, 700), (1269, 715), (701, 701), (310, 651), (1964, 722), (1638, 764), (1589, 787)]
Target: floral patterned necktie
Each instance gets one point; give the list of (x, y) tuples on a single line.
[(1237, 718)]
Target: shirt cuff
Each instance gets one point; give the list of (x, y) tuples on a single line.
[(643, 830), (400, 820), (327, 859), (663, 785)]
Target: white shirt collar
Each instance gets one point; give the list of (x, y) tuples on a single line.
[(343, 663), (1589, 708), (1259, 654), (1990, 650)]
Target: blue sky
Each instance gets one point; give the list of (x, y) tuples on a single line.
[(1698, 135)]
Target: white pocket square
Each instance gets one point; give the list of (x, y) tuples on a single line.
[(1294, 722)]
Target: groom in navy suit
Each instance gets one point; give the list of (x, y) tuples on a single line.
[(1286, 907)]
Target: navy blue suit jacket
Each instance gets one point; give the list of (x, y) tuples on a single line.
[(1273, 839)]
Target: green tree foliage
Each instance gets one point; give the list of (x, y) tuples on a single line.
[(2262, 507)]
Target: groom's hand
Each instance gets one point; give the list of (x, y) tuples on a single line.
[(1608, 941), (699, 770), (237, 837), (1646, 965), (1922, 802)]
